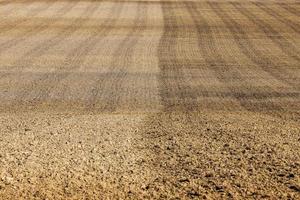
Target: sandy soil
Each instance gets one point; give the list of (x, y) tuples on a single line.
[(149, 99)]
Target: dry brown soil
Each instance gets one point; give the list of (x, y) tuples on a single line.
[(149, 99)]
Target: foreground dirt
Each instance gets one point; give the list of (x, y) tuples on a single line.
[(195, 155), (149, 99)]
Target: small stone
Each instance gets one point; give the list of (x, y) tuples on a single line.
[(208, 175), (219, 188), (295, 187), (184, 180), (145, 187), (291, 176)]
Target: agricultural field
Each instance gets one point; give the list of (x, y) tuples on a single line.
[(149, 99)]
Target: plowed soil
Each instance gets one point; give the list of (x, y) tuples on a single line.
[(149, 99)]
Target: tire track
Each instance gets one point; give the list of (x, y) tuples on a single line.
[(44, 47), (33, 13), (61, 35), (22, 59), (8, 12), (76, 58), (118, 68), (103, 83), (290, 9), (173, 91), (278, 17), (225, 73), (253, 53), (35, 30), (286, 46)]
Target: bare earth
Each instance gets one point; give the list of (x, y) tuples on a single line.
[(149, 99)]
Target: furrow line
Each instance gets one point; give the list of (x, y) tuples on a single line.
[(279, 17), (28, 18), (286, 46), (217, 63), (251, 51)]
